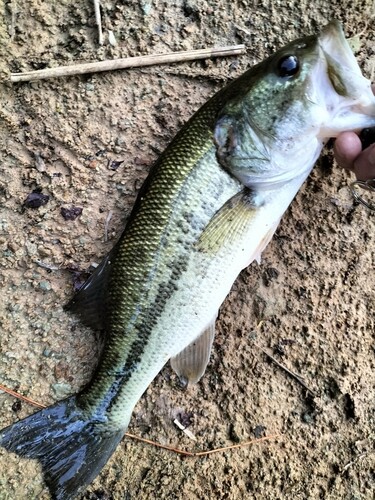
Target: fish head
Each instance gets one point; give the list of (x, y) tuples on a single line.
[(280, 113)]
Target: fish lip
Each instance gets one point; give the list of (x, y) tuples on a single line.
[(336, 49), (333, 29), (333, 32), (349, 101)]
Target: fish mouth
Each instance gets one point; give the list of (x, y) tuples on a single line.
[(342, 67), (349, 101)]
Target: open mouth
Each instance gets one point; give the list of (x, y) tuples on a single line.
[(347, 94), (342, 67)]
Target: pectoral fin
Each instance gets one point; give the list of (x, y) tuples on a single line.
[(190, 364), (229, 223)]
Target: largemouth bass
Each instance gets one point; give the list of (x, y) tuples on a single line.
[(208, 208)]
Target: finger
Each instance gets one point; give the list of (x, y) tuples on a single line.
[(346, 149), (364, 164)]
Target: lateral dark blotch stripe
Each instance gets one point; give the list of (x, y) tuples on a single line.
[(144, 329)]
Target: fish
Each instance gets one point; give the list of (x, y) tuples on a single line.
[(208, 208)]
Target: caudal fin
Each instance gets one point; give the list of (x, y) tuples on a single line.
[(72, 449)]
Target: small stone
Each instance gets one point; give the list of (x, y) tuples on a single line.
[(62, 390), (260, 431), (112, 38), (31, 248), (71, 213), (307, 418), (44, 251), (17, 406), (36, 199), (114, 164), (146, 7), (45, 286)]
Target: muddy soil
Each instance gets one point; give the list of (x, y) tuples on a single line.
[(89, 142)]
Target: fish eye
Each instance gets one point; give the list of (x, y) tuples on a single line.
[(288, 66)]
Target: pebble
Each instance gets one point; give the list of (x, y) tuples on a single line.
[(146, 7), (31, 248), (45, 286), (307, 418), (90, 87), (44, 251), (62, 390)]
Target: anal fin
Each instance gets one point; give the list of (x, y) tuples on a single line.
[(190, 364), (264, 242)]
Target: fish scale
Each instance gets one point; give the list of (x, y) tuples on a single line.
[(139, 326)]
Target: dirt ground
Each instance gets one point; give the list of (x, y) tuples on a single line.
[(89, 142)]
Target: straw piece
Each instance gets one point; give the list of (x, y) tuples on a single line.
[(21, 396), (98, 19), (128, 62)]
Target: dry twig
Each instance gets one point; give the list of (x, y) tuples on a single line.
[(106, 226), (127, 62), (356, 459), (187, 431), (98, 19), (49, 267), (20, 396), (289, 372), (203, 453)]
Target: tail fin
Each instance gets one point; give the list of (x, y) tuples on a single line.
[(72, 449)]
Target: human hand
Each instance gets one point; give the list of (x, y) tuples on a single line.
[(348, 153)]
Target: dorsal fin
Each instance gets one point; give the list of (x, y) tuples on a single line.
[(190, 364), (89, 303)]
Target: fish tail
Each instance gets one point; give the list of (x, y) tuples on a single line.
[(71, 448)]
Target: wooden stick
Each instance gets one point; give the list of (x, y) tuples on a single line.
[(356, 459), (14, 11), (127, 62), (98, 19)]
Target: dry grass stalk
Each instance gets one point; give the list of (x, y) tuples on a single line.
[(128, 62)]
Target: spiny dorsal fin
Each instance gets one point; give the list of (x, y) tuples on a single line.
[(190, 364), (229, 223)]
